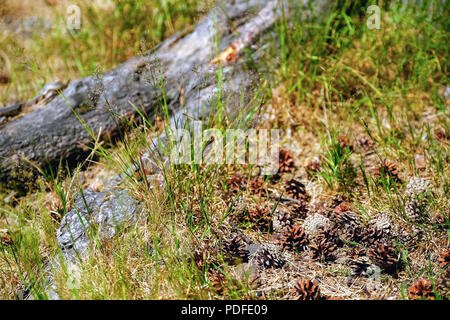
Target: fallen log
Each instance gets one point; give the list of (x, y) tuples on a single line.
[(188, 64)]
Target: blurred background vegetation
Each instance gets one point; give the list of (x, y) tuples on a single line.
[(36, 47)]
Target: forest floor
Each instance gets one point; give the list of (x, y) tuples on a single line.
[(359, 208)]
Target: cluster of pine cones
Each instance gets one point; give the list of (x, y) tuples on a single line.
[(328, 230)]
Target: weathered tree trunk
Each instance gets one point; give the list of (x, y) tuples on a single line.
[(185, 62)]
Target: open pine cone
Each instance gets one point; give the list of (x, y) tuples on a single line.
[(421, 289), (268, 256), (300, 209), (415, 195), (356, 252), (360, 265), (383, 223), (281, 220), (416, 187), (343, 206), (5, 239), (384, 256), (415, 211), (236, 247), (258, 187), (306, 290), (313, 223), (286, 161), (444, 258), (313, 166), (260, 217), (366, 143), (346, 219), (204, 260), (324, 245), (296, 190), (362, 235), (293, 238), (408, 235), (386, 169), (236, 183), (443, 284)]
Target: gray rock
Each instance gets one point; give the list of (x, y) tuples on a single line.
[(95, 214)]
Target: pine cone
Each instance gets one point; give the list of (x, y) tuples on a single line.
[(268, 256), (6, 240), (384, 256), (204, 260), (4, 78), (300, 209), (356, 252), (360, 265), (407, 235), (383, 223), (440, 134), (416, 187), (258, 187), (421, 289), (440, 221), (338, 199), (387, 169), (293, 238), (415, 211), (306, 290), (443, 284), (444, 258), (260, 217), (354, 234), (281, 220), (296, 190), (342, 206), (362, 235), (313, 166), (373, 236), (416, 206), (324, 245), (346, 219), (236, 183), (286, 161), (236, 247), (217, 279)]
